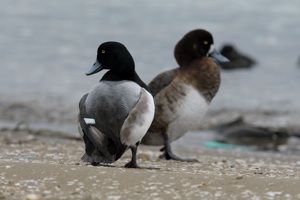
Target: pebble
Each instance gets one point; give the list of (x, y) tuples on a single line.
[(32, 197)]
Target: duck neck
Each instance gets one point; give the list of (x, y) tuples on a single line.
[(204, 75)]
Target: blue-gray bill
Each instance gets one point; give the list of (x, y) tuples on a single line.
[(94, 69), (219, 57)]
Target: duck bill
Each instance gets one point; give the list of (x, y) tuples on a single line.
[(217, 56), (97, 67)]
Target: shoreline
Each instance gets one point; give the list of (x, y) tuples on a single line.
[(55, 171)]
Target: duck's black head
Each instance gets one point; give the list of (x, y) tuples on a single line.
[(195, 44), (115, 57)]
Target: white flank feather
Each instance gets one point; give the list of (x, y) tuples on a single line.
[(89, 120)]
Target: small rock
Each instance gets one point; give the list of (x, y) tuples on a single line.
[(32, 197), (258, 173), (202, 185), (147, 155)]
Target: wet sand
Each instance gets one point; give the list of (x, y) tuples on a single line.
[(50, 168)]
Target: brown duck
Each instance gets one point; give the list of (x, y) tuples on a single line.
[(182, 95)]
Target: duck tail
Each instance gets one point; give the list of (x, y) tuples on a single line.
[(100, 148)]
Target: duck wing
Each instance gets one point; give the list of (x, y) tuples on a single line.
[(139, 120), (99, 147), (161, 81)]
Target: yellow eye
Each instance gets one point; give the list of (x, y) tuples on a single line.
[(205, 42), (103, 51)]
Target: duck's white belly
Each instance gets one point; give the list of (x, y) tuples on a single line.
[(189, 114)]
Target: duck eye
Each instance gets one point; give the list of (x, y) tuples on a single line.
[(205, 42), (103, 51)]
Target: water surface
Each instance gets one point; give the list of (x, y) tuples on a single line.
[(46, 46)]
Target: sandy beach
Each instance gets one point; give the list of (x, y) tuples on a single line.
[(47, 46), (50, 168)]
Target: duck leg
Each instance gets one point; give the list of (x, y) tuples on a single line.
[(132, 163), (169, 155)]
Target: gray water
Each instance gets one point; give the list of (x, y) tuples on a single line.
[(46, 47)]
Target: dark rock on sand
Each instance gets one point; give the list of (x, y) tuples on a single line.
[(238, 132), (22, 133)]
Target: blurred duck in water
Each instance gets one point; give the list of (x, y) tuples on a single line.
[(237, 59)]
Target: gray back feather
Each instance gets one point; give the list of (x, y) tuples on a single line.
[(109, 103)]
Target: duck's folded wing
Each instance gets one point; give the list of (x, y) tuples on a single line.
[(167, 102), (139, 119), (98, 147), (161, 81), (96, 143)]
